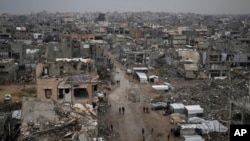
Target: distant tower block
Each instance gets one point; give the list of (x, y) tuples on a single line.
[(101, 17)]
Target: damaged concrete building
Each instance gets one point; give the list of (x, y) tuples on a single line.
[(188, 63), (8, 69), (66, 80), (138, 57), (227, 63), (239, 112)]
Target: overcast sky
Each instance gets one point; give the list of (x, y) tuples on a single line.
[(196, 6)]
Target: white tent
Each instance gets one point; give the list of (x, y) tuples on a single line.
[(160, 87), (195, 120), (205, 127), (142, 77), (193, 110), (177, 108), (212, 126), (154, 78)]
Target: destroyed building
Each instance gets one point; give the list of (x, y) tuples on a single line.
[(188, 63), (222, 60), (101, 17), (119, 30), (8, 69), (84, 45), (137, 57), (5, 51), (136, 53), (239, 112), (45, 119), (66, 80)]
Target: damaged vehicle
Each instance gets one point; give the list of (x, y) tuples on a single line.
[(159, 106)]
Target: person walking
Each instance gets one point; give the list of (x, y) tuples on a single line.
[(93, 105), (111, 127), (120, 110), (123, 110), (168, 137), (142, 131), (144, 110), (152, 130)]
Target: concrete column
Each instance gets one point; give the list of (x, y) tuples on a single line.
[(230, 110), (144, 58), (242, 112), (249, 86)]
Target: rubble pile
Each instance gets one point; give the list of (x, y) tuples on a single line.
[(106, 132), (45, 119), (132, 97), (158, 99), (103, 72), (213, 97)]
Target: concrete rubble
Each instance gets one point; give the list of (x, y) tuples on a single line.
[(44, 119), (211, 96)]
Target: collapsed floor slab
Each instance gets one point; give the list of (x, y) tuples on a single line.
[(45, 119)]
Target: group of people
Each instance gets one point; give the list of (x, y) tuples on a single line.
[(118, 82), (121, 110), (175, 132)]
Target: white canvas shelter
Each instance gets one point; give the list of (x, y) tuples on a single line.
[(154, 77), (177, 108), (206, 127), (195, 120), (192, 138), (160, 87), (193, 110), (142, 77)]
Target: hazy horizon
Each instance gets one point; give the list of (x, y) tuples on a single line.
[(180, 6)]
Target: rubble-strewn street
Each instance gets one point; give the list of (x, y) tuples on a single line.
[(130, 124)]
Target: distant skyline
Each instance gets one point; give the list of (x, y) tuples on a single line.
[(193, 6)]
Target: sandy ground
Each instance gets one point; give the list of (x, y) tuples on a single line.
[(17, 91)]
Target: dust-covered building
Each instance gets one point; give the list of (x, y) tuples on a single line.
[(67, 80), (8, 69)]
